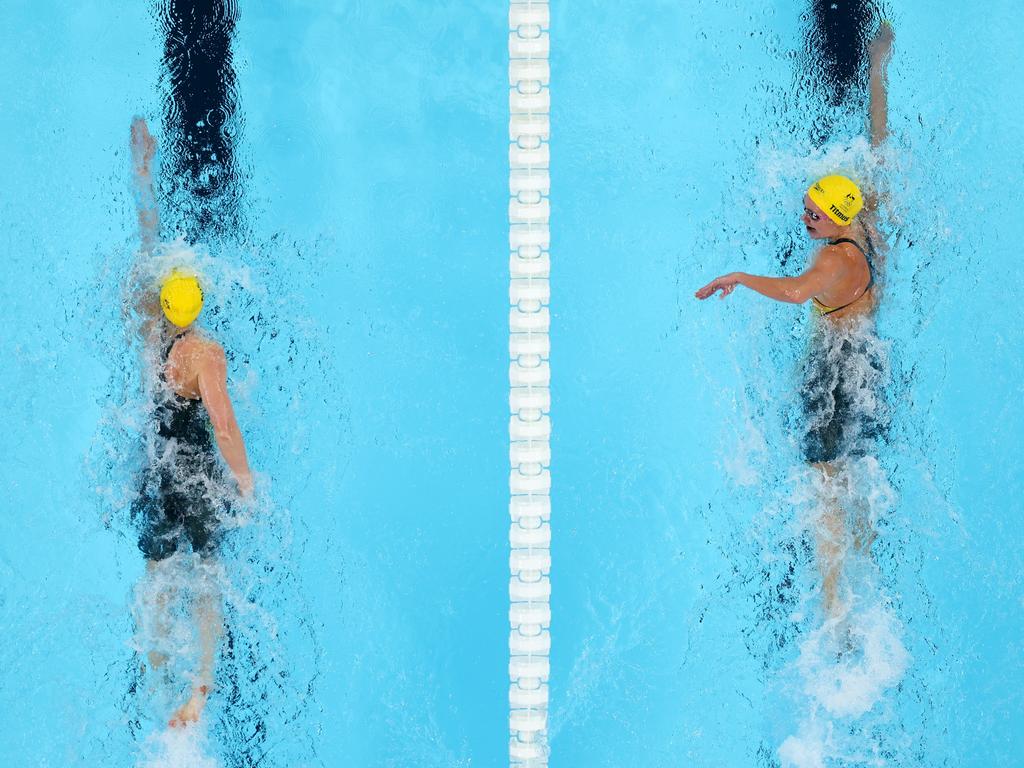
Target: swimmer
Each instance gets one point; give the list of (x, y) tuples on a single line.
[(183, 499), (842, 284)]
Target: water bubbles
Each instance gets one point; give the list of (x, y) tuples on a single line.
[(177, 748), (844, 669)]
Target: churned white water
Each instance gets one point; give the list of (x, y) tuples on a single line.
[(177, 748), (846, 664)]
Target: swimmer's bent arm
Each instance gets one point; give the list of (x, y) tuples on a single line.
[(213, 387), (792, 290)]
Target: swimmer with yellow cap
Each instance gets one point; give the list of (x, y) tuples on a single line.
[(181, 297), (841, 276), (837, 197), (841, 283), (185, 492)]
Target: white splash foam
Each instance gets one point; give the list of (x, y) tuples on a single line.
[(846, 666), (808, 748), (148, 271), (177, 748), (217, 276), (783, 169), (739, 464), (166, 639)]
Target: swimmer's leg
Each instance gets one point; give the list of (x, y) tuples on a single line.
[(863, 532), (161, 626), (831, 547), (158, 541), (210, 625), (211, 628)]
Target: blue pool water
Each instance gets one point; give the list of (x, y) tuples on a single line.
[(360, 284)]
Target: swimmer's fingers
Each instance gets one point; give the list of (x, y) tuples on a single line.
[(245, 485), (881, 45), (709, 289), (885, 33), (726, 284)]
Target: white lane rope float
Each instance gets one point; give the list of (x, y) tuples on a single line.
[(529, 383)]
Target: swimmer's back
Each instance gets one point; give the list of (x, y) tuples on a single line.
[(854, 294), (188, 356)]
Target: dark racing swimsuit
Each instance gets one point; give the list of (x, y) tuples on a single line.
[(183, 489), (841, 393)]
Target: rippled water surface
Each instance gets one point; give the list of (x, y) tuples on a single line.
[(338, 174)]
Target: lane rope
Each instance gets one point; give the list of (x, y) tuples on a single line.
[(529, 383)]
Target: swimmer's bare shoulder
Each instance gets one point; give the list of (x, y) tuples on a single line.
[(831, 256), (191, 356), (843, 257), (829, 266)]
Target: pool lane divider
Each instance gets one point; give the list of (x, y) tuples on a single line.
[(529, 383)]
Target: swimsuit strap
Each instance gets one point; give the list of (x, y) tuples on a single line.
[(174, 340), (824, 309), (167, 353), (867, 257), (849, 240)]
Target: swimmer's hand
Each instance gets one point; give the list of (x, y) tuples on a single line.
[(726, 284), (881, 46), (245, 485), (143, 146)]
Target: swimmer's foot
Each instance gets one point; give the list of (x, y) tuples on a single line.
[(191, 710)]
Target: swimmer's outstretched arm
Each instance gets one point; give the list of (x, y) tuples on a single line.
[(825, 270), (878, 115), (143, 152), (143, 147), (879, 52), (213, 388)]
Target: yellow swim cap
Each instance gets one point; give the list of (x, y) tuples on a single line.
[(181, 297), (838, 197)]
